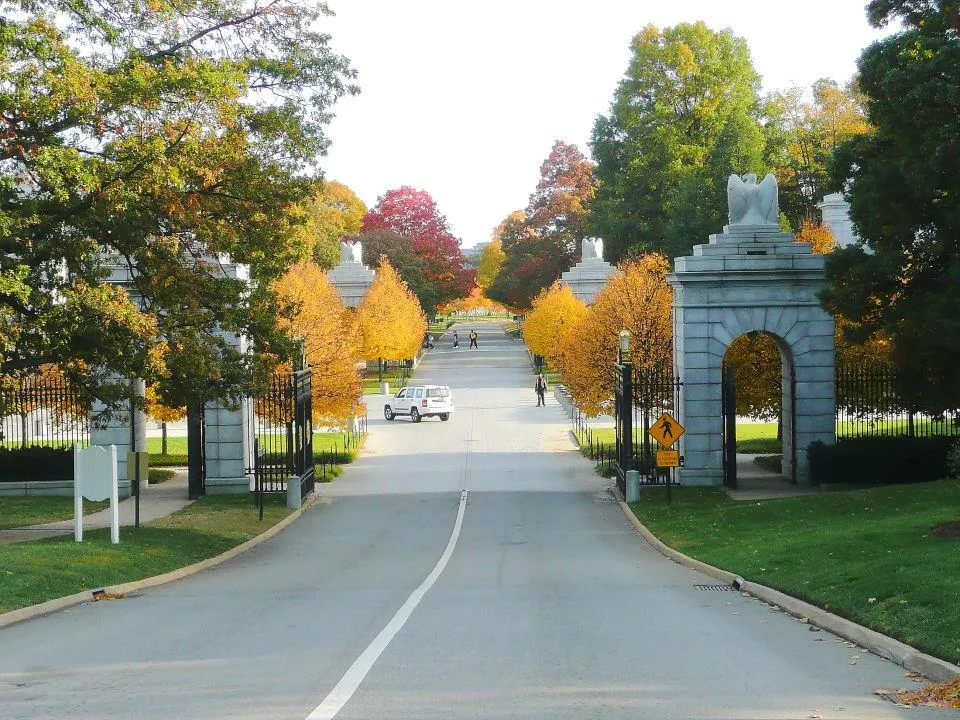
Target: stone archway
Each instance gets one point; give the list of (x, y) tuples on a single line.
[(751, 278)]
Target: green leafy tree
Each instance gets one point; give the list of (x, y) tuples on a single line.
[(903, 186), (166, 137), (806, 133), (684, 117), (514, 283), (333, 212)]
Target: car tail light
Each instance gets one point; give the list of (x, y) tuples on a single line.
[(424, 403)]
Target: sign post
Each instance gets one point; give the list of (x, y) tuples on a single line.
[(667, 430)]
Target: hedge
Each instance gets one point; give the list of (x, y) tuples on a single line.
[(36, 462), (880, 460)]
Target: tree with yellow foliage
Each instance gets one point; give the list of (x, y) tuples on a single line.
[(555, 313), (329, 338), (635, 298), (491, 260), (476, 300), (390, 321)]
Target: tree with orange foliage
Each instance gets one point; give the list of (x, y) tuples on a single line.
[(556, 312), (476, 300), (819, 236), (330, 341), (635, 298), (390, 321), (162, 414)]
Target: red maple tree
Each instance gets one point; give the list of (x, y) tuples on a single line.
[(413, 214)]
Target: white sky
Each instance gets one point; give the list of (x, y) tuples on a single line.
[(464, 99)]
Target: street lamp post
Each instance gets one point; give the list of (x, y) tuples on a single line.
[(624, 410)]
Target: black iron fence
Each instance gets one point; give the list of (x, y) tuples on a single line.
[(655, 391), (869, 405), (42, 411)]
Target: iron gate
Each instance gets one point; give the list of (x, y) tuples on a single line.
[(281, 433), (728, 407), (642, 395)]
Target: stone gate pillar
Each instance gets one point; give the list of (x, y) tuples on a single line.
[(750, 278), (227, 439), (351, 278)]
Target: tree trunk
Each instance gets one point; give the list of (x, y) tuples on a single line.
[(163, 438)]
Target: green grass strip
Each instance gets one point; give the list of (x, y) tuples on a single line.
[(867, 555), (33, 572), (21, 510)]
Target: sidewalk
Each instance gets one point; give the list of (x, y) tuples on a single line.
[(156, 501)]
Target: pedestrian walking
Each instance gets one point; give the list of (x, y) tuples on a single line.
[(473, 339), (541, 388), (456, 339)]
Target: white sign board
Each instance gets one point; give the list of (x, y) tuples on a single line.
[(95, 478)]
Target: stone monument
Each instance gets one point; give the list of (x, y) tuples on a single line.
[(751, 278), (351, 278), (836, 216), (587, 278)]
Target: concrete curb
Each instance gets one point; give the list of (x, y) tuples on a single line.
[(51, 606), (886, 647)]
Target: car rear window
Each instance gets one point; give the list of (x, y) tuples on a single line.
[(440, 392)]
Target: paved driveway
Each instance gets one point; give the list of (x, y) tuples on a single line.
[(475, 568)]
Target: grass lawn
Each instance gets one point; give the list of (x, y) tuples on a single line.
[(867, 555), (177, 449), (45, 569), (395, 377), (751, 437), (20, 510)]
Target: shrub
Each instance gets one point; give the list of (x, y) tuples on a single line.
[(36, 462), (880, 460), (953, 460)]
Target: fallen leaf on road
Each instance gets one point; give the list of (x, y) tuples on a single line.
[(943, 695), (813, 628)]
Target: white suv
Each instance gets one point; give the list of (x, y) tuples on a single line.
[(420, 401)]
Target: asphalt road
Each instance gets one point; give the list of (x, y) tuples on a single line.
[(475, 568)]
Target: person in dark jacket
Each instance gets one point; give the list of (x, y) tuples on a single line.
[(541, 388)]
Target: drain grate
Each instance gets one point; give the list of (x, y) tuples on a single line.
[(718, 588)]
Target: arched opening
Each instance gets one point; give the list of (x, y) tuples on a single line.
[(758, 401)]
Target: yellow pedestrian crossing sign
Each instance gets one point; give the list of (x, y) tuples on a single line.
[(666, 430)]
